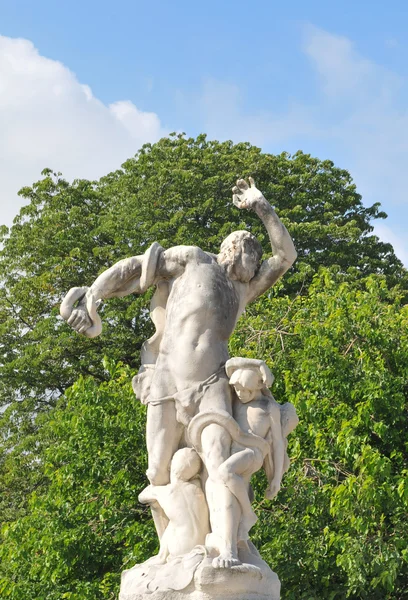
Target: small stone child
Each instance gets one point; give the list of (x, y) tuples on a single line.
[(256, 412), (179, 508)]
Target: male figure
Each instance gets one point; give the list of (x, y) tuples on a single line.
[(205, 296)]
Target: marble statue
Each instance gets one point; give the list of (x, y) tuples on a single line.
[(213, 412), (257, 414)]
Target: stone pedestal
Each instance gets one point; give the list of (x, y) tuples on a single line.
[(187, 580)]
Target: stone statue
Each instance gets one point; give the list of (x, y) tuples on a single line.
[(258, 415), (198, 300)]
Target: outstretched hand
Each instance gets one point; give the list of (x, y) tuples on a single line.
[(79, 319), (244, 195), (83, 317)]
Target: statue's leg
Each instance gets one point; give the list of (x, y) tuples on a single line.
[(161, 557), (235, 472), (225, 513), (224, 508), (163, 433)]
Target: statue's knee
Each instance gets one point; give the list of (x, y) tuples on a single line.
[(158, 476)]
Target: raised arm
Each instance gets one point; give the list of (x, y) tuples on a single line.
[(284, 253)]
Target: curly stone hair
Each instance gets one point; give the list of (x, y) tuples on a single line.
[(241, 253)]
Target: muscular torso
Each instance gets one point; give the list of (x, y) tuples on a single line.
[(201, 312), (254, 415)]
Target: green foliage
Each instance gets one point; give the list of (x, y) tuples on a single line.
[(86, 525), (338, 528)]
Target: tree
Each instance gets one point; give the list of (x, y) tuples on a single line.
[(339, 354), (337, 528), (83, 523)]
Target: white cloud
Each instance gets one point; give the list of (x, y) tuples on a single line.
[(391, 42), (141, 125), (345, 74), (224, 116), (49, 119), (398, 242), (364, 115)]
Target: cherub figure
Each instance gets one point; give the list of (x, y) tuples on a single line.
[(256, 412), (186, 521)]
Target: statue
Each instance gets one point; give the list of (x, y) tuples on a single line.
[(234, 426), (258, 415)]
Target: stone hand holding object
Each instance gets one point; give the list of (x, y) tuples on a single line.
[(83, 317)]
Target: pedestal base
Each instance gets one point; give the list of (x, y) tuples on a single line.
[(200, 582)]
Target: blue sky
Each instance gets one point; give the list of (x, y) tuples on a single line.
[(84, 84)]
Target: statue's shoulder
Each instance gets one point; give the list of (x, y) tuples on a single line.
[(270, 404), (185, 253)]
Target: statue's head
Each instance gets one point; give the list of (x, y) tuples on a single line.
[(241, 253), (248, 376), (185, 464)]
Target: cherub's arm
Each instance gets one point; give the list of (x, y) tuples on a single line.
[(274, 475), (150, 496)]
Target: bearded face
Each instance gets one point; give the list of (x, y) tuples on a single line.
[(240, 253)]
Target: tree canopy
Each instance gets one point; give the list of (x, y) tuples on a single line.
[(334, 332)]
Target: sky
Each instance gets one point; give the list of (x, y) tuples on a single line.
[(84, 84)]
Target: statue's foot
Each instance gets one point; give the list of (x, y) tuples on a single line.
[(225, 560)]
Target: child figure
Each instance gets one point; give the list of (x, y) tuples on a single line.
[(184, 506), (256, 412)]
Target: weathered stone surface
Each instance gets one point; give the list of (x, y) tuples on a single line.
[(244, 582)]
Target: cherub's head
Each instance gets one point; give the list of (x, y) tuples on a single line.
[(241, 253), (185, 464), (249, 377)]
